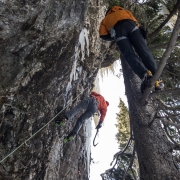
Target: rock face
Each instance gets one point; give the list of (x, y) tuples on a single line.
[(50, 53)]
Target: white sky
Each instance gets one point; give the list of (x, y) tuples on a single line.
[(112, 88)]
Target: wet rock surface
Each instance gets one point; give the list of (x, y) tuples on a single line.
[(50, 53)]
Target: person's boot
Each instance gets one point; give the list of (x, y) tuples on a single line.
[(145, 80), (61, 122), (70, 137), (159, 85)]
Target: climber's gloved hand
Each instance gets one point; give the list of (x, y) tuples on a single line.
[(99, 125)]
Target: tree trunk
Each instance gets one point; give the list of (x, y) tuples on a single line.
[(153, 148)]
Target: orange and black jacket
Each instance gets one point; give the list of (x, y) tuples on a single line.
[(115, 14), (102, 105)]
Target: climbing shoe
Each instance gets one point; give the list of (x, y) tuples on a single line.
[(159, 85), (61, 122), (70, 137), (145, 80)]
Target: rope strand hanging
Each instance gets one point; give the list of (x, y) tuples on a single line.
[(40, 128)]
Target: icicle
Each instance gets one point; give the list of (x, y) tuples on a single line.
[(88, 135), (83, 43), (83, 39)]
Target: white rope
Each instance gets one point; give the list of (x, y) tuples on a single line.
[(25, 142)]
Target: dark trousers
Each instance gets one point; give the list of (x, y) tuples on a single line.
[(135, 40), (90, 105)]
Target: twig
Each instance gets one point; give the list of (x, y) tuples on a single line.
[(164, 59), (176, 7), (130, 164)]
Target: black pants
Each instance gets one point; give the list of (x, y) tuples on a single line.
[(145, 61), (90, 105)]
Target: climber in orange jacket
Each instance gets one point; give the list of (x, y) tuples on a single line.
[(121, 26), (91, 105)]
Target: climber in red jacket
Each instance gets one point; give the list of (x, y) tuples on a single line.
[(91, 105)]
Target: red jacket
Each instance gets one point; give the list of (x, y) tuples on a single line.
[(102, 106)]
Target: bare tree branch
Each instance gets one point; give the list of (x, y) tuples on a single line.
[(164, 59), (176, 7), (121, 152), (170, 137), (176, 147), (172, 72), (130, 164), (161, 45), (166, 122), (172, 92)]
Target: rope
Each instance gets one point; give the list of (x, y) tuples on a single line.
[(40, 129)]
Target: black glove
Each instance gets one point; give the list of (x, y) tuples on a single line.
[(107, 37), (99, 125), (143, 32)]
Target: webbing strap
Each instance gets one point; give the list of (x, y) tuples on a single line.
[(135, 29), (121, 38), (124, 37)]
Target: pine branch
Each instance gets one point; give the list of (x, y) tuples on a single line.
[(130, 164), (176, 7), (173, 92), (167, 108), (171, 139), (165, 57), (176, 147), (116, 156), (166, 122), (172, 72), (160, 46)]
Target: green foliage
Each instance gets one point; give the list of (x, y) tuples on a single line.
[(123, 125), (170, 4), (116, 55)]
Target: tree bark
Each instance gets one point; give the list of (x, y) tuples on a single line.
[(152, 146)]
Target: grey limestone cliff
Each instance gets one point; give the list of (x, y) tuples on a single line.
[(50, 53)]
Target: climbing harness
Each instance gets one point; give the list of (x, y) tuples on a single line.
[(124, 37), (136, 27), (95, 138), (25, 142), (121, 38)]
